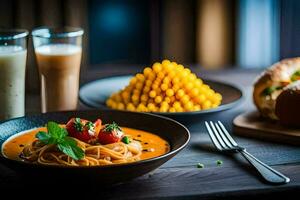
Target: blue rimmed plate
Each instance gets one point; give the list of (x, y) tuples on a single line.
[(95, 93)]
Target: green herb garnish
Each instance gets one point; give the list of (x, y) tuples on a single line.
[(200, 165), (112, 127), (219, 162), (270, 90), (295, 76), (58, 136), (89, 125), (78, 125), (126, 140)]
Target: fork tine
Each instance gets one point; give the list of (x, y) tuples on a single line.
[(212, 137), (227, 134), (217, 135), (222, 135)]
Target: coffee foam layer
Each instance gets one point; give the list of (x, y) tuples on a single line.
[(58, 49)]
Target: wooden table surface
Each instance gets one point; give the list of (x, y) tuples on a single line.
[(179, 178)]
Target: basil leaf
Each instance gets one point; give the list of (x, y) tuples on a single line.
[(296, 76), (43, 137), (69, 147), (57, 135)]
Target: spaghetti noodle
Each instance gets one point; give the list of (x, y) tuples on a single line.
[(98, 154)]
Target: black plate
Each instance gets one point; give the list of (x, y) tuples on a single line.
[(95, 93), (175, 133)]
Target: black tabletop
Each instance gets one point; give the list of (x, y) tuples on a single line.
[(180, 178)]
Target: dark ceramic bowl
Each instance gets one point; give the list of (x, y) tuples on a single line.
[(175, 133)]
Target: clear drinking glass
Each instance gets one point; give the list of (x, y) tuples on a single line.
[(58, 53), (13, 53)]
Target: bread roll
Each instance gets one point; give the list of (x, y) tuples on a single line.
[(272, 82), (287, 107)]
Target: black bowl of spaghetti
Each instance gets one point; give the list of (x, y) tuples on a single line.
[(30, 150)]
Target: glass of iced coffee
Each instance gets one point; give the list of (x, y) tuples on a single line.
[(58, 54), (13, 52)]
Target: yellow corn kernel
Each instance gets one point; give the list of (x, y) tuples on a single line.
[(198, 82), (202, 98), (172, 109), (151, 76), (188, 106), (147, 71), (179, 94), (136, 92), (158, 99), (180, 68), (192, 77), (176, 104), (118, 97), (146, 89), (152, 94), (130, 107), (163, 109), (171, 74), (188, 86), (114, 105), (169, 92), (148, 83), (165, 62), (185, 99), (140, 108), (169, 67), (184, 74), (175, 80), (196, 108), (187, 70), (133, 80), (151, 107), (109, 102), (158, 91), (166, 80), (139, 85), (172, 99), (206, 104), (155, 86), (167, 99), (135, 98), (164, 104), (164, 87), (176, 87), (120, 106), (156, 67), (219, 96), (144, 98), (160, 75), (194, 92), (179, 109), (140, 77), (125, 95)]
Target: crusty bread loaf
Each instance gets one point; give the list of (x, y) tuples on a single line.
[(271, 83)]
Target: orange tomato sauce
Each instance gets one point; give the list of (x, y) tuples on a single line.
[(152, 144)]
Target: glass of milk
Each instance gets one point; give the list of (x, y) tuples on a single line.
[(13, 52), (58, 54)]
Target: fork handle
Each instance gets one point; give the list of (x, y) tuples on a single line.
[(268, 173)]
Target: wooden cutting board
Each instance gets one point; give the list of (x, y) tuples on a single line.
[(252, 125)]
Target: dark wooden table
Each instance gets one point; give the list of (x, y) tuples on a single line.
[(179, 178)]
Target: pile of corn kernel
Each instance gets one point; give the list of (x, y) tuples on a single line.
[(165, 87)]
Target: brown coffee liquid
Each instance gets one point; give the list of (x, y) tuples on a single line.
[(59, 68)]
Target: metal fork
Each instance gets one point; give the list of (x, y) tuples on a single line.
[(224, 142)]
